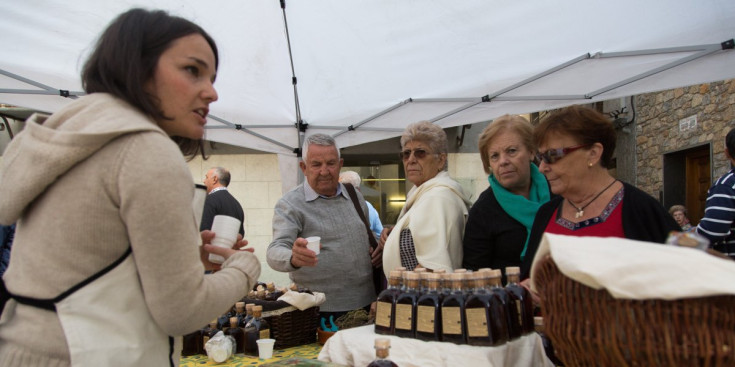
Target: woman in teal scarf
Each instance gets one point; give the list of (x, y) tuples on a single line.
[(496, 234)]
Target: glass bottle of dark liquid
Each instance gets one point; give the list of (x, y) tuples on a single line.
[(454, 326), (445, 284), (224, 320), (428, 310), (405, 324), (548, 348), (209, 332), (485, 314), (237, 334), (192, 343), (256, 328), (386, 305), (511, 312), (382, 347), (522, 299), (247, 316)]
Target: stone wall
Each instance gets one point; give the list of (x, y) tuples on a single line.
[(657, 128)]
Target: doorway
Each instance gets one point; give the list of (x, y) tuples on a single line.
[(687, 177)]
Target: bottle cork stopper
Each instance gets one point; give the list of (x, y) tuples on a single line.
[(512, 270), (456, 276), (257, 308), (412, 275), (249, 306), (460, 270), (419, 270), (495, 273), (395, 274), (538, 320), (432, 276), (382, 343), (233, 320), (440, 271), (239, 304), (484, 270), (400, 268)]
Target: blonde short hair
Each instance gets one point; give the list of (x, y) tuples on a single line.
[(513, 123)]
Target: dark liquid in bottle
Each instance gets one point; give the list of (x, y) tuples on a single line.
[(523, 304), (486, 319), (511, 313), (239, 337), (385, 314), (405, 316), (429, 317), (192, 343), (453, 319), (256, 329)]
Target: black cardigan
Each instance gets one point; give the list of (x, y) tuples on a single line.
[(644, 219), (492, 238)]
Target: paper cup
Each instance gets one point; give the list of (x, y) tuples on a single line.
[(313, 244), (225, 229), (265, 348)]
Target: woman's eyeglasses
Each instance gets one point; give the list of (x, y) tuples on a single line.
[(418, 153), (552, 155)]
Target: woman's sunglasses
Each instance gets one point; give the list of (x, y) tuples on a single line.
[(418, 153), (552, 155)]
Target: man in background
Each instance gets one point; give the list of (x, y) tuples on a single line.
[(353, 178), (719, 209), (219, 201)]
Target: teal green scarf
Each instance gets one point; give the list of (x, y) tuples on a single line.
[(518, 207)]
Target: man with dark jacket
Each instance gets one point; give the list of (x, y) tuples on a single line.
[(219, 201)]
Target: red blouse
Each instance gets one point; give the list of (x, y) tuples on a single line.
[(608, 224)]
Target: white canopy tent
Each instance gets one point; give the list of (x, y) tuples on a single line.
[(365, 69)]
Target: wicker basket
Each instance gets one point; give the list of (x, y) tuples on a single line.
[(589, 327), (289, 326)]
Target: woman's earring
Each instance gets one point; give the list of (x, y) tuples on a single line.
[(590, 164)]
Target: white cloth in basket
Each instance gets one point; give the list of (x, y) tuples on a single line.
[(302, 301), (631, 269)]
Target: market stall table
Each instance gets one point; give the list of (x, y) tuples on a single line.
[(354, 347), (308, 351)]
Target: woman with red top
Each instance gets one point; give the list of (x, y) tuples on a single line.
[(575, 150)]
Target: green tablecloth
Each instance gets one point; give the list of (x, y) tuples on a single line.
[(308, 351)]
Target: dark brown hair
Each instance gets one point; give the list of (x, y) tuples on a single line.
[(126, 55), (584, 124)]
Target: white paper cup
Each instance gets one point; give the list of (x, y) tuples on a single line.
[(225, 229), (313, 244), (265, 348)]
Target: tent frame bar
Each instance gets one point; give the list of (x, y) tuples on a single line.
[(246, 130)]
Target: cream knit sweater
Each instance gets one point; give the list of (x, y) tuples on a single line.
[(92, 180)]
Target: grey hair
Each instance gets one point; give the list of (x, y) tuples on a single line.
[(350, 177), (429, 133), (223, 175), (318, 139)]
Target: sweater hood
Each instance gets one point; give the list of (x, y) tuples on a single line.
[(48, 147), (443, 180)]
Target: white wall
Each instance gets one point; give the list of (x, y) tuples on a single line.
[(256, 184)]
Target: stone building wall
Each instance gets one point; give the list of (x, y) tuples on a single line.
[(658, 132)]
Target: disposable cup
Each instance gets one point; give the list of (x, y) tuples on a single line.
[(265, 348), (313, 244), (225, 230)]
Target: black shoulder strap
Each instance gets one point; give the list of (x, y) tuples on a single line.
[(353, 196)]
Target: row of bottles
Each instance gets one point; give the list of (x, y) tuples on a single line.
[(463, 307), (245, 324)]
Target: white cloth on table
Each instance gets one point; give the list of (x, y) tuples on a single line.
[(631, 269), (354, 347)]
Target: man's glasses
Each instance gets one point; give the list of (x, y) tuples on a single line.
[(552, 155), (418, 153)]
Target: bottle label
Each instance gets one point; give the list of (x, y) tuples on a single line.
[(451, 320), (265, 334), (383, 315), (476, 322), (425, 319), (403, 317)]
